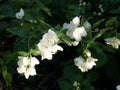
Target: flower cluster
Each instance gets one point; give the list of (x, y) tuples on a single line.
[(48, 45), (26, 66), (101, 10), (74, 31), (76, 85), (85, 64), (20, 14)]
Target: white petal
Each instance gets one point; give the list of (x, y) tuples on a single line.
[(75, 43), (88, 53), (44, 45), (80, 63), (83, 31), (46, 55), (52, 36), (30, 71), (87, 25), (21, 69), (26, 75), (23, 61), (76, 20), (55, 48), (69, 33), (19, 15), (33, 61), (22, 12), (118, 87), (91, 62), (66, 26), (79, 33)]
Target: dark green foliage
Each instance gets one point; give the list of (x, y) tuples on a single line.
[(19, 37)]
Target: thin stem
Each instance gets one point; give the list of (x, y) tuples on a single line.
[(28, 41), (96, 36)]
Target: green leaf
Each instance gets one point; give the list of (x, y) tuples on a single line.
[(7, 76), (6, 11), (112, 22), (21, 44), (1, 62), (68, 71), (9, 57), (64, 38), (23, 53), (3, 26), (98, 53), (27, 88), (89, 88), (44, 25), (18, 31), (72, 73), (115, 10), (86, 83), (96, 24), (64, 85), (92, 76), (2, 17), (112, 67), (35, 52), (4, 71), (43, 7)]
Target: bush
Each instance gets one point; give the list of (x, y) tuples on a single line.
[(59, 44)]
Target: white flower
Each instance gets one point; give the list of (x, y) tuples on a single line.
[(26, 66), (114, 41), (45, 49), (99, 13), (51, 36), (48, 45), (79, 33), (90, 61), (20, 14), (85, 64), (118, 87), (84, 3), (76, 85), (74, 31), (71, 26), (81, 64)]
